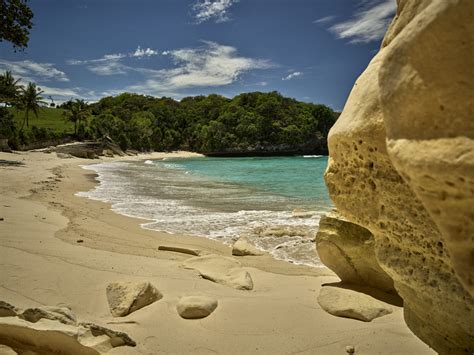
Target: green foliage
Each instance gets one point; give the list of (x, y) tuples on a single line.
[(15, 22), (213, 123), (76, 112), (9, 89), (7, 123), (250, 122)]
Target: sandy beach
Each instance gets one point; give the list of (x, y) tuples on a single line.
[(42, 263)]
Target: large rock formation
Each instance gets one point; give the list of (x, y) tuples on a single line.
[(348, 250), (54, 330), (402, 165)]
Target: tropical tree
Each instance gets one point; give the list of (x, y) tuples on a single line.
[(31, 100), (76, 111), (9, 89)]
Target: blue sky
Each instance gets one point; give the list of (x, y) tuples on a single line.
[(312, 50)]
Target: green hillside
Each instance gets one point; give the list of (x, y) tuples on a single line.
[(48, 118)]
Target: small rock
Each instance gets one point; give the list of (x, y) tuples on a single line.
[(63, 155), (350, 349), (194, 307), (243, 247), (7, 310), (116, 338), (80, 241), (127, 297), (220, 269), (348, 303), (298, 213)]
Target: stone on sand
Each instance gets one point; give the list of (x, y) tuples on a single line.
[(7, 310), (347, 303), (193, 307), (220, 269), (243, 247), (127, 297), (189, 251)]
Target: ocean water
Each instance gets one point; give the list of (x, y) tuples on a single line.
[(274, 201)]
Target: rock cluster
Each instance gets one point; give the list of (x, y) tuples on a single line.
[(402, 165)]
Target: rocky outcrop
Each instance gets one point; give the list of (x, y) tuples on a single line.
[(348, 250), (89, 150), (342, 302), (54, 330), (127, 297), (401, 165), (220, 269), (194, 307)]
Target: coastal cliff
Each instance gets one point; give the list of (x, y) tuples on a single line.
[(402, 165)]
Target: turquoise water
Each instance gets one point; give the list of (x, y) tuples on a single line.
[(297, 178), (224, 198)]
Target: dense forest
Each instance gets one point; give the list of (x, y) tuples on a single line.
[(250, 123)]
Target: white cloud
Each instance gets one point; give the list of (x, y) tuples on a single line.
[(212, 9), (111, 64), (210, 65), (32, 71), (148, 52), (368, 24), (324, 20), (292, 75)]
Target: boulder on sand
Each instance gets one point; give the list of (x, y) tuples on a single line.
[(243, 247), (127, 297), (220, 269), (348, 250), (348, 303), (194, 307)]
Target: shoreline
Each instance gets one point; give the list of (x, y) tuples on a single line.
[(43, 264), (153, 223)]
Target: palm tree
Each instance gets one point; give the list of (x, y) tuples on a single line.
[(31, 100), (76, 111), (9, 88)]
